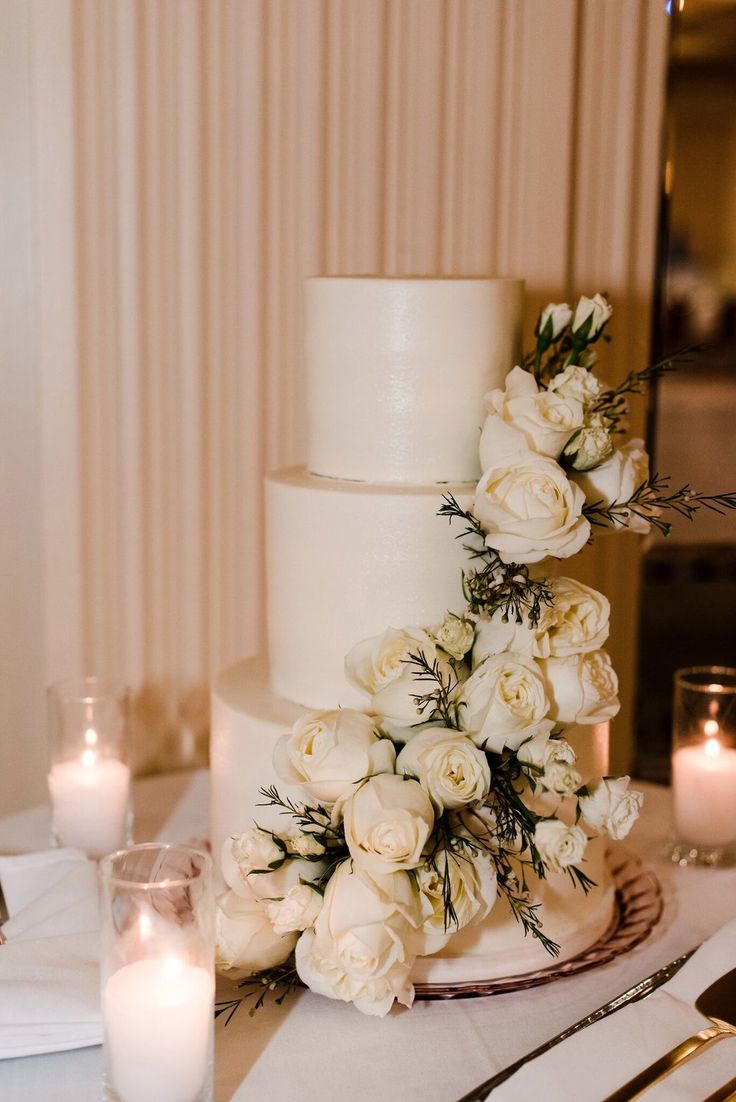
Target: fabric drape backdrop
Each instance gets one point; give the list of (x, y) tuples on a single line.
[(185, 166)]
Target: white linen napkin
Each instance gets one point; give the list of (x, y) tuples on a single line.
[(49, 979), (601, 1058)]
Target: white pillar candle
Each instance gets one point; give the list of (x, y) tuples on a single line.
[(89, 802), (158, 1021), (704, 782)]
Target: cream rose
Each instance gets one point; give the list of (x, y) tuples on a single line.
[(541, 750), (450, 768), (298, 910), (472, 891), (611, 807), (454, 635), (591, 315), (577, 621), (255, 863), (496, 635), (561, 778), (381, 667), (545, 418), (553, 321), (559, 845), (305, 845), (590, 446), (583, 688), (577, 382), (504, 702), (363, 945), (616, 481), (246, 941), (327, 751), (387, 823), (530, 510)]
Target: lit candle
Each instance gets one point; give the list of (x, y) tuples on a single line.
[(704, 782), (89, 800), (158, 1015)]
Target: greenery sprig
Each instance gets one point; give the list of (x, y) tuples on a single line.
[(651, 498), (612, 405), (495, 585), (437, 704), (280, 981)]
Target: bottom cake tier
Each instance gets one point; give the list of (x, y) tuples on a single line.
[(248, 719)]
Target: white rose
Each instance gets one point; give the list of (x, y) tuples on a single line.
[(455, 635), (327, 751), (591, 314), (505, 702), (298, 909), (590, 446), (363, 946), (559, 845), (577, 382), (546, 419), (255, 862), (496, 635), (530, 511), (306, 845), (615, 482), (472, 891), (553, 320), (380, 666), (387, 823), (583, 688), (449, 767), (541, 750), (561, 778), (246, 942), (611, 807), (577, 621)]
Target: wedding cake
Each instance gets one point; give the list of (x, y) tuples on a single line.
[(396, 374)]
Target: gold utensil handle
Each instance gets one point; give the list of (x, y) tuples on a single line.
[(726, 1093), (667, 1063)]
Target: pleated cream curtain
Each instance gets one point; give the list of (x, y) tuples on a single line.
[(195, 161)]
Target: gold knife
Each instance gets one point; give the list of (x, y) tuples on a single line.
[(639, 991)]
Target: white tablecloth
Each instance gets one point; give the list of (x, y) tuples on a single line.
[(315, 1050)]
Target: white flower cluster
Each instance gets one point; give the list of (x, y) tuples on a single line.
[(418, 807)]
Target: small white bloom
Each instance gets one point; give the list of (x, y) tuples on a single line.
[(561, 778), (593, 312), (387, 821), (455, 635), (578, 619), (577, 382), (615, 481), (449, 767), (611, 807), (591, 445), (505, 702), (530, 510), (546, 419), (583, 688), (381, 667), (559, 845), (541, 750), (496, 635), (306, 845), (298, 909), (246, 941), (327, 751), (553, 320), (243, 853)]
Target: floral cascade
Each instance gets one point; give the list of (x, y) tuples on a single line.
[(456, 785)]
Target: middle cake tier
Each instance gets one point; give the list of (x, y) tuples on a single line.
[(347, 560)]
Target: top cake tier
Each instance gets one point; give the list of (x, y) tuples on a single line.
[(397, 370)]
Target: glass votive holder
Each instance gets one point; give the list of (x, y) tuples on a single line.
[(157, 923), (704, 766), (89, 775)]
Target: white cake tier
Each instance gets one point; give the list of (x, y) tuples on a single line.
[(346, 560), (247, 720), (397, 370)]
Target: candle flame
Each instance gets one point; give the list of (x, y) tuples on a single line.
[(170, 968), (711, 728), (144, 926), (91, 736), (89, 758), (712, 747)]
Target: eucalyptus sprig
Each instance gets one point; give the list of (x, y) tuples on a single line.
[(495, 585), (651, 498), (280, 981)]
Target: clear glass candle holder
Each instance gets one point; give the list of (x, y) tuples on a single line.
[(704, 766), (89, 775), (157, 920)]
